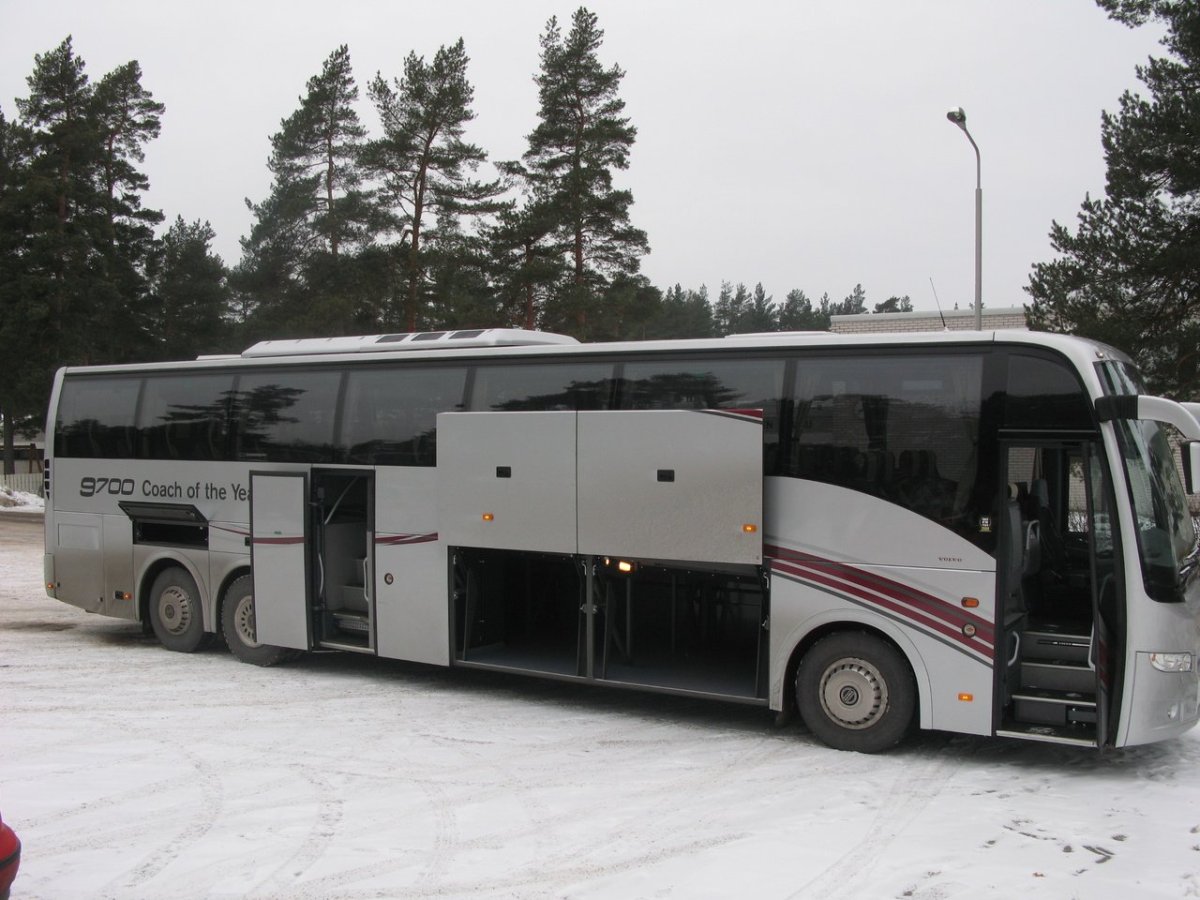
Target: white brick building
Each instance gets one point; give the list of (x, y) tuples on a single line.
[(929, 320)]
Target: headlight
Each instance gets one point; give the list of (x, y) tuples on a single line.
[(1171, 662)]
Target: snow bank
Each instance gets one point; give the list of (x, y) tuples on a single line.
[(20, 501)]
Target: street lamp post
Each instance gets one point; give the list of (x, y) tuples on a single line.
[(959, 118)]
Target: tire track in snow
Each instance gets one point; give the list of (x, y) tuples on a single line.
[(515, 775), (914, 788), (322, 831), (209, 811)]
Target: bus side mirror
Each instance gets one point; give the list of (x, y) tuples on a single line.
[(1191, 467)]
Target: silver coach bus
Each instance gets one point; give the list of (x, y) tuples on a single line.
[(974, 532)]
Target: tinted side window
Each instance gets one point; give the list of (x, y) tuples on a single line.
[(752, 384), (95, 417), (901, 428), (285, 415), (1044, 393), (542, 387), (390, 416), (184, 416)]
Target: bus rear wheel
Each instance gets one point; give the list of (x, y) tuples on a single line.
[(175, 612), (238, 626), (856, 692)]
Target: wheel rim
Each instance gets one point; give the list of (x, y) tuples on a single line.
[(243, 621), (853, 693), (175, 609)]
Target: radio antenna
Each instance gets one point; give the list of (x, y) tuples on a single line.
[(938, 302)]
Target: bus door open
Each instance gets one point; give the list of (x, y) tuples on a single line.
[(342, 514), (312, 556), (1057, 594), (279, 543)]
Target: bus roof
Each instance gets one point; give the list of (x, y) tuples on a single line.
[(515, 343), (425, 340)]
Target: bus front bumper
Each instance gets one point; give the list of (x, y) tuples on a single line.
[(1166, 688)]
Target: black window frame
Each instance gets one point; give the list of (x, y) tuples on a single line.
[(421, 454), (308, 454), (182, 445), (102, 443)]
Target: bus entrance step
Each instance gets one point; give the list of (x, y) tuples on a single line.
[(1058, 676), (351, 621), (1045, 644), (1054, 707), (1047, 734)]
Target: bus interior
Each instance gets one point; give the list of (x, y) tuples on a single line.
[(1060, 614), (341, 526)]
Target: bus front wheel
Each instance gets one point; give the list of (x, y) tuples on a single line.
[(175, 613), (855, 691), (238, 627)]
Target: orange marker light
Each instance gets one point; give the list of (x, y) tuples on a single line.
[(749, 528), (966, 698), (487, 517), (970, 602)]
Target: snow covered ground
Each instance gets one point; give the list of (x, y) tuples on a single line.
[(20, 501), (132, 772)]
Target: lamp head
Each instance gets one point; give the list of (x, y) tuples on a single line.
[(958, 117)]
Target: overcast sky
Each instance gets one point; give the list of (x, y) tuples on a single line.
[(802, 144)]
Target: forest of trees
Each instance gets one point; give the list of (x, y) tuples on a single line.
[(403, 224), (395, 228)]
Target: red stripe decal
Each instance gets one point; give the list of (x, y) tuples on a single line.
[(231, 530), (900, 599), (927, 603), (402, 539)]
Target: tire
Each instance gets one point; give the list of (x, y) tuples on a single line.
[(176, 613), (237, 625), (856, 692)]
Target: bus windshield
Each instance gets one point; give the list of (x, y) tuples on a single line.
[(1165, 531)]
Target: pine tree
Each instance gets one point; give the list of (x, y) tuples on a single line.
[(682, 314), (729, 308), (318, 147), (17, 398), (457, 269), (1127, 275), (798, 314), (761, 314), (626, 308), (424, 162), (894, 304), (854, 304), (76, 237), (581, 138), (90, 236), (526, 269), (190, 293), (292, 266), (127, 117), (827, 309), (61, 197)]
